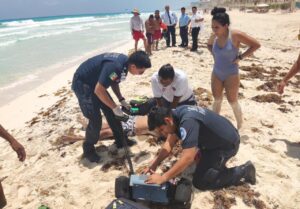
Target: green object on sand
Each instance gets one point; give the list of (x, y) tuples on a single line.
[(43, 207), (134, 110)]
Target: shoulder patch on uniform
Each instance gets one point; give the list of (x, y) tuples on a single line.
[(113, 76), (182, 133)]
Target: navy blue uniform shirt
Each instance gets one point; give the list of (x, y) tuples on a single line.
[(104, 68), (202, 128)]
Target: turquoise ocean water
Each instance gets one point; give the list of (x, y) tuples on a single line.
[(30, 47)]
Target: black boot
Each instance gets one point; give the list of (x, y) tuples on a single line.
[(249, 172), (89, 153)]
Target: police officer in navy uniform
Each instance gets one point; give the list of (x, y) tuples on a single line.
[(90, 84), (202, 133)]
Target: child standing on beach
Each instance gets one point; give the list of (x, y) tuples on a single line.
[(224, 45)]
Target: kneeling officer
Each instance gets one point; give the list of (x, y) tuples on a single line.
[(199, 130)]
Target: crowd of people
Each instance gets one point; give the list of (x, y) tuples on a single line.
[(158, 26), (206, 137), (173, 112)]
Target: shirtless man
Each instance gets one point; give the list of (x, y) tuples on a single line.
[(157, 31), (149, 25)]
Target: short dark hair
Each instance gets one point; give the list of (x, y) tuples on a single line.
[(140, 59), (166, 72), (156, 117), (151, 16), (219, 14), (182, 8), (194, 7)]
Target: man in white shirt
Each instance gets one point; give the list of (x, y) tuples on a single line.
[(170, 19), (170, 88), (196, 21), (137, 28)]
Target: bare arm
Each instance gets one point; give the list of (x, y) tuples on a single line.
[(116, 89), (210, 42), (199, 20), (165, 151), (15, 145), (159, 102), (289, 75), (101, 93), (187, 158), (252, 43), (295, 69), (175, 102), (131, 25)]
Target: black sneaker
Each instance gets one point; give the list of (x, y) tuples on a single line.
[(92, 157), (250, 172), (89, 152), (130, 143), (193, 50)]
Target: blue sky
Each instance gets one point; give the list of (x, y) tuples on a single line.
[(13, 9)]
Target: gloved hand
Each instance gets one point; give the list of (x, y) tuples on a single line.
[(125, 104), (119, 114)]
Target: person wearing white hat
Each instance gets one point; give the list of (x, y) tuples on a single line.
[(137, 28)]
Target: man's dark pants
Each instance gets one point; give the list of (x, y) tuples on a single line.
[(171, 32), (211, 172), (90, 106), (184, 36), (195, 33)]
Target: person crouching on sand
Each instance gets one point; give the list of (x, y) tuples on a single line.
[(205, 135)]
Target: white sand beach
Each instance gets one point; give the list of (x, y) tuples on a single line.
[(54, 173)]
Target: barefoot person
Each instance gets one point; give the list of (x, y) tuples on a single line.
[(201, 133), (137, 29), (295, 69), (224, 46), (157, 29), (90, 84), (134, 126), (149, 25), (18, 148)]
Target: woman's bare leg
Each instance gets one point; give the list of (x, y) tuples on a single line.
[(231, 85), (217, 91)]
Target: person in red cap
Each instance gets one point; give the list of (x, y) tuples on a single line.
[(137, 28)]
